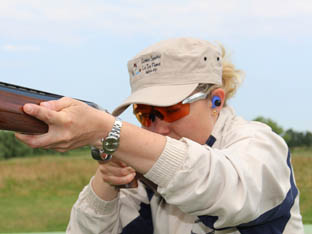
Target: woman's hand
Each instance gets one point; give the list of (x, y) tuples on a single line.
[(72, 124), (116, 173), (109, 175)]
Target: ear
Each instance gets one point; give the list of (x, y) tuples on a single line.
[(221, 94)]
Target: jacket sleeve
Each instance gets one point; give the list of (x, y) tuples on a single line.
[(92, 215), (247, 177)]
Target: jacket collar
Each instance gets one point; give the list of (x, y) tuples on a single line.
[(227, 113)]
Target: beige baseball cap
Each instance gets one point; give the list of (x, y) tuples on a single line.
[(169, 71)]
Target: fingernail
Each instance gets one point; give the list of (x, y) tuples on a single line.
[(130, 169)]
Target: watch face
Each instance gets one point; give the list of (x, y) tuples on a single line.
[(110, 145)]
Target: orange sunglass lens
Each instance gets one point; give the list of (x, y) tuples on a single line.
[(170, 113), (175, 112), (142, 113)]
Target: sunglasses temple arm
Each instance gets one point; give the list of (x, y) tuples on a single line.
[(195, 97)]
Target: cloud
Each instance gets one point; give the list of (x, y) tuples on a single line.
[(72, 21), (18, 48)]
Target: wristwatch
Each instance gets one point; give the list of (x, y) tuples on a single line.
[(109, 144)]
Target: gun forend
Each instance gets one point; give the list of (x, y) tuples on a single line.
[(12, 116)]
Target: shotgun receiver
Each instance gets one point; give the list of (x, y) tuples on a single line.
[(12, 116)]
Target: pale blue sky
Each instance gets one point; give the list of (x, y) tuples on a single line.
[(80, 48)]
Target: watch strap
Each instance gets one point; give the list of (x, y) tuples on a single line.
[(111, 143)]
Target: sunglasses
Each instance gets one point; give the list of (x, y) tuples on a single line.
[(147, 114)]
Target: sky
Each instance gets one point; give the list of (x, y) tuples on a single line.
[(80, 48)]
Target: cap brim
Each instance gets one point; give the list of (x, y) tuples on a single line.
[(157, 96)]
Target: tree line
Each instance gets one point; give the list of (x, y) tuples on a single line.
[(10, 147), (293, 138)]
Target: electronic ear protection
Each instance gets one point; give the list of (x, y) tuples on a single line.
[(216, 101)]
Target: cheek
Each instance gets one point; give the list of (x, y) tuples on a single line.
[(185, 127), (197, 126)]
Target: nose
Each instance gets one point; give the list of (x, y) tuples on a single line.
[(159, 126)]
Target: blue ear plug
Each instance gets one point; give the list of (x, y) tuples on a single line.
[(216, 101)]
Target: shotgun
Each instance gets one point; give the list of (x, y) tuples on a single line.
[(12, 116)]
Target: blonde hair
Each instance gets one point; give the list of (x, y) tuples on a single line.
[(231, 78)]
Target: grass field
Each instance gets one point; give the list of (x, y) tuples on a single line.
[(37, 193), (302, 163)]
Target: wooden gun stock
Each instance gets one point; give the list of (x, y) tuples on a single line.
[(12, 116)]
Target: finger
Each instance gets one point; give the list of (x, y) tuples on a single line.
[(59, 104), (23, 137), (39, 112), (122, 164), (114, 161), (115, 170), (130, 169), (117, 180), (50, 105), (34, 141)]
